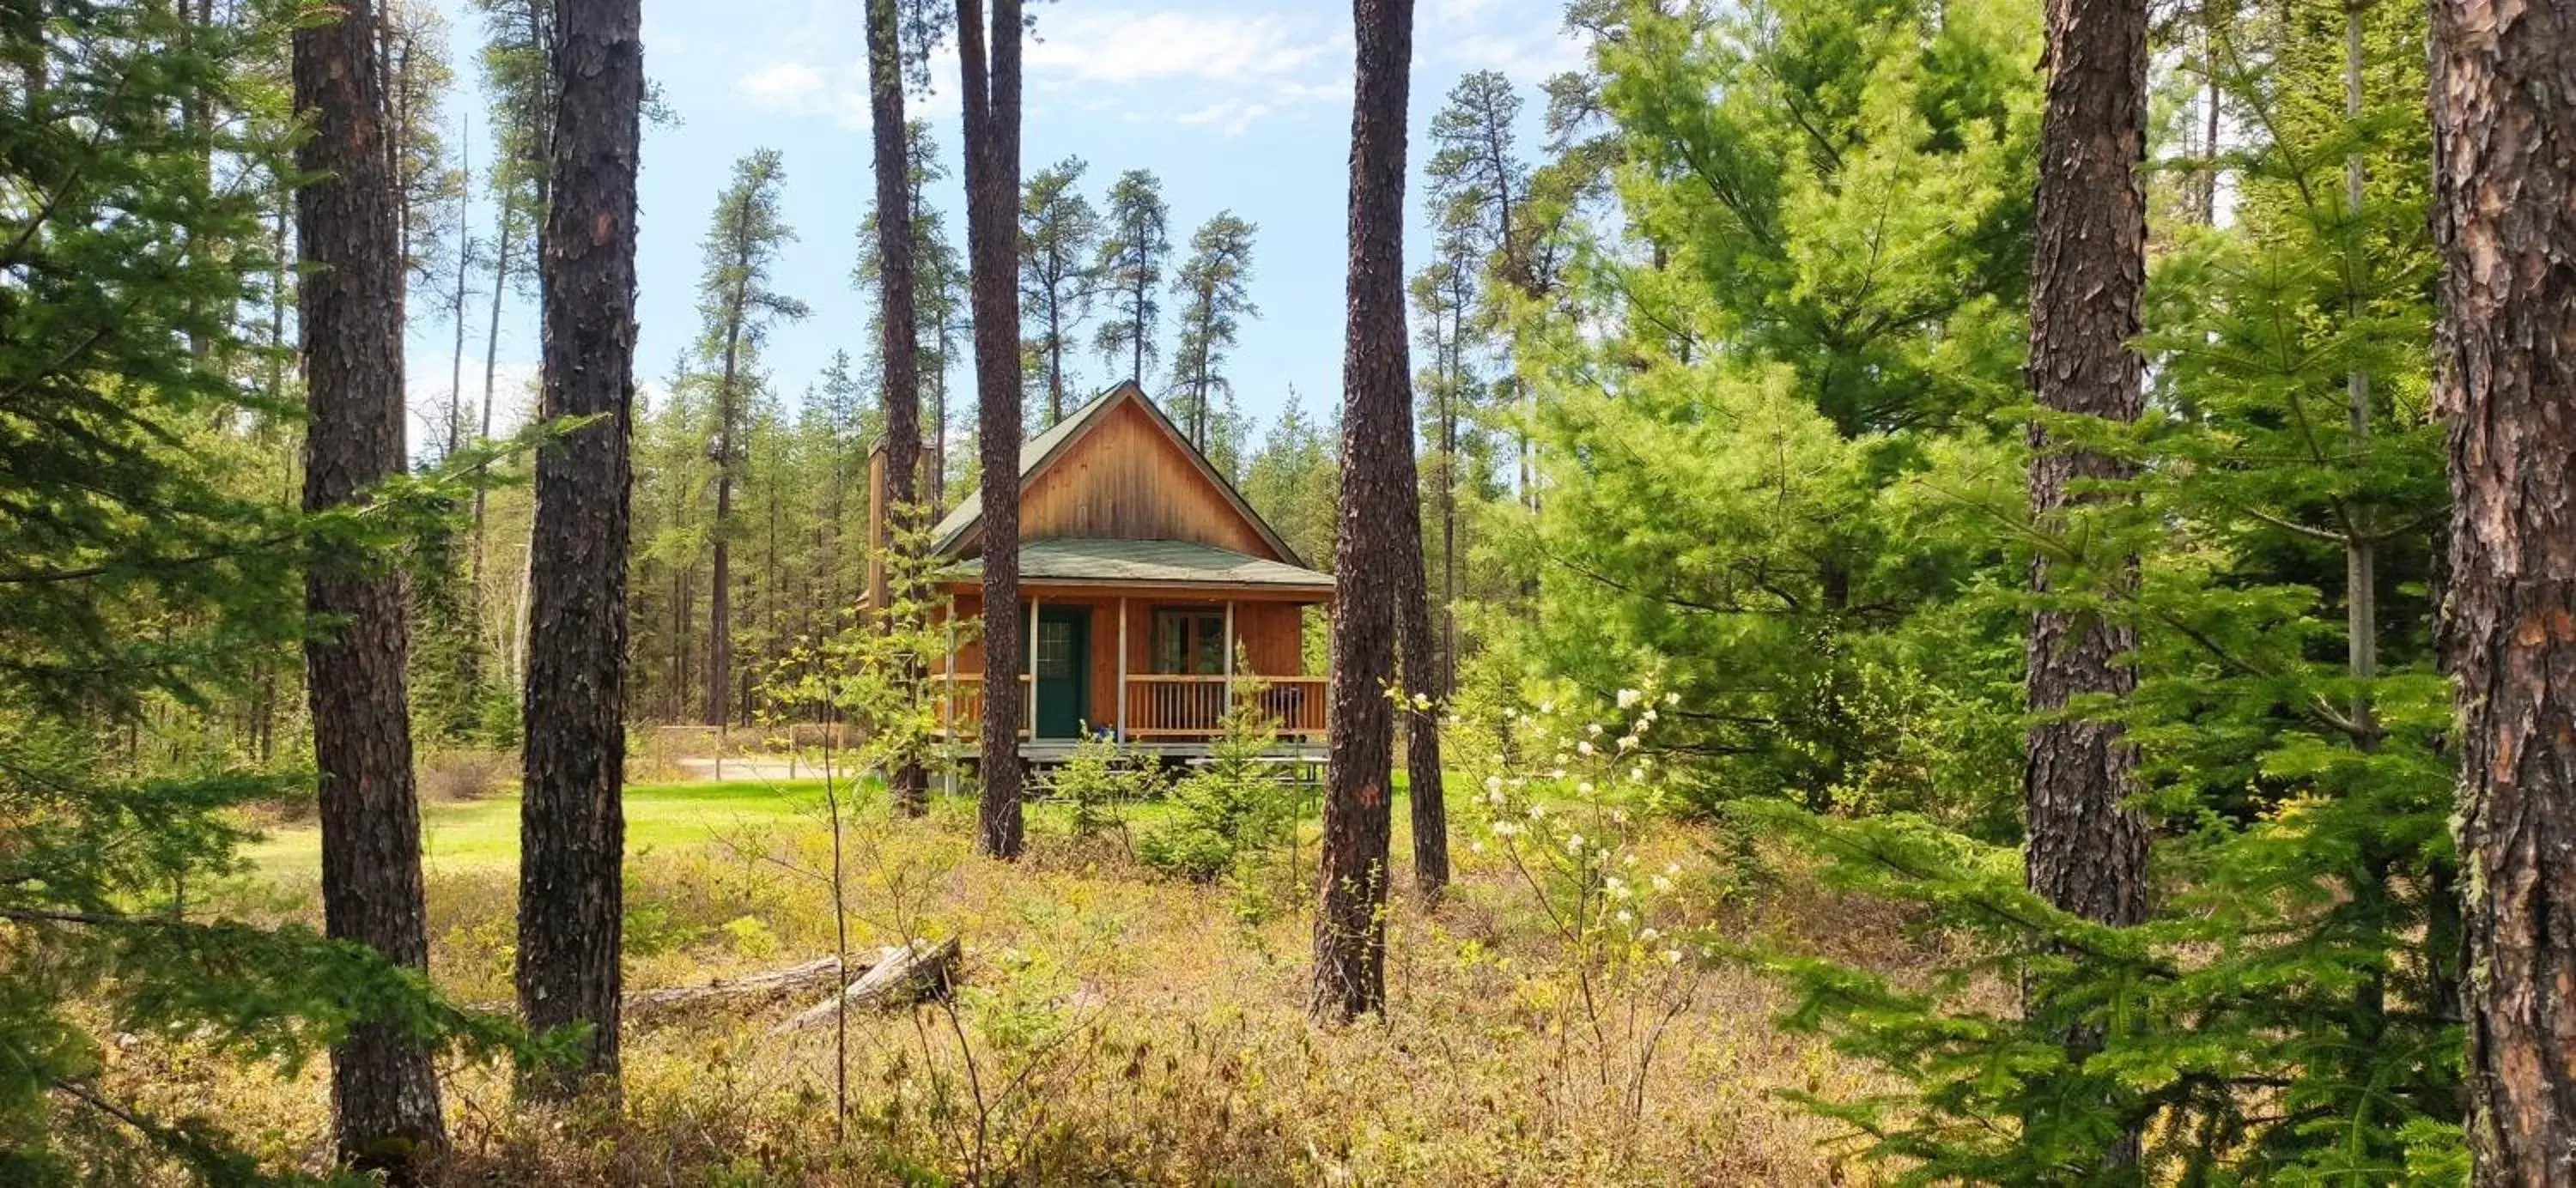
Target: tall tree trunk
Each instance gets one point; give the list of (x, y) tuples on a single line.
[(1055, 349), (2361, 546), (992, 117), (491, 360), (456, 361), (1425, 697), (572, 822), (384, 1091), (1376, 488), (2504, 149), (720, 585), (2087, 851), (898, 319)]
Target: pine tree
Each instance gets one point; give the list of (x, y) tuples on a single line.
[(2504, 138), (1213, 286), (898, 345), (737, 306), (572, 826), (1135, 242), (1377, 487), (992, 147), (384, 1092), (1058, 229), (151, 564)]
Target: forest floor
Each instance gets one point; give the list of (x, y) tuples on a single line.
[(1112, 1024)]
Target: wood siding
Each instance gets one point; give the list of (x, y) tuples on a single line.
[(1126, 479)]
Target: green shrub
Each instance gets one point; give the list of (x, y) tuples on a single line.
[(1233, 807), (1099, 780)]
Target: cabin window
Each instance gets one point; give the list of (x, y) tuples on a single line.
[(1189, 640)]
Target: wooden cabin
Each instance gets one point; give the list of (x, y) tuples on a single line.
[(1153, 598)]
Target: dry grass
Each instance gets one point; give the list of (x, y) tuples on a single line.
[(1112, 1028)]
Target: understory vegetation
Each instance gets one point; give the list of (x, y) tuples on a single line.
[(1111, 1023)]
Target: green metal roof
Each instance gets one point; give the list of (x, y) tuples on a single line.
[(1046, 447), (1126, 562)]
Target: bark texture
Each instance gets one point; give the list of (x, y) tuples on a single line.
[(2087, 854), (898, 341), (992, 115), (2504, 144), (1377, 498), (1425, 694), (572, 823), (384, 1092)]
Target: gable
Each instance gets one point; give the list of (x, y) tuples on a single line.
[(1126, 479), (1117, 470)]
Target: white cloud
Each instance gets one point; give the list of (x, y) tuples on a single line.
[(1130, 47), (1219, 70), (783, 85), (1230, 116)]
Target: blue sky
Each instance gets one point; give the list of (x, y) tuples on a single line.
[(1241, 106)]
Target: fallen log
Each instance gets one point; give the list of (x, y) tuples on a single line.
[(902, 973), (760, 988)]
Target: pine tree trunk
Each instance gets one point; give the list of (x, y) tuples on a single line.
[(491, 352), (2087, 853), (1425, 697), (1376, 489), (572, 821), (2504, 146), (384, 1091), (898, 319), (992, 118)]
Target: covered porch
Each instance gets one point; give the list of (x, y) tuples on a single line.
[(1153, 643)]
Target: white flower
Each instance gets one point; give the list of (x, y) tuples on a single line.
[(1619, 815), (1537, 810), (1662, 883), (1627, 742), (1618, 889), (1493, 783), (1648, 934), (1594, 730), (1672, 699), (1505, 828), (1625, 917), (1637, 775), (1583, 748), (1475, 847), (1585, 787), (1629, 697), (1574, 843), (1672, 956), (1673, 868), (1547, 707), (1556, 773)]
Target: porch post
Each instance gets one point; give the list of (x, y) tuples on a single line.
[(1033, 668), (1122, 670), (1229, 655)]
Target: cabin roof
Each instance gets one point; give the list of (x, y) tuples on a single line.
[(1094, 561), (1040, 452)]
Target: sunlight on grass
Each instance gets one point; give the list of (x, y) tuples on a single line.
[(482, 834)]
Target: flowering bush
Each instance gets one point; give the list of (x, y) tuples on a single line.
[(1561, 801)]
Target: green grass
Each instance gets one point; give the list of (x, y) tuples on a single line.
[(478, 834), (484, 834)]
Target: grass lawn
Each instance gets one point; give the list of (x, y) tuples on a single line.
[(478, 834), (484, 834)]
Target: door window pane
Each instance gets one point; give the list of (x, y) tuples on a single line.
[(1055, 649)]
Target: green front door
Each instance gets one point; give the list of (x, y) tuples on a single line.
[(1064, 670)]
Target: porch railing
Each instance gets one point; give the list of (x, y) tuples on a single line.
[(1169, 707)]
